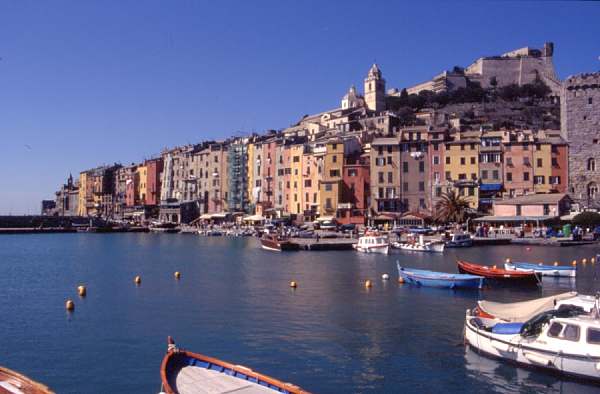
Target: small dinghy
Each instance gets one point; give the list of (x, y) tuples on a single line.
[(439, 279), (564, 340), (12, 382), (184, 372), (499, 275), (543, 270)]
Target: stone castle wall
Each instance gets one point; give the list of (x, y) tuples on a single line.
[(580, 125)]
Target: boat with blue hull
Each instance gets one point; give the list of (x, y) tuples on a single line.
[(544, 270), (439, 279)]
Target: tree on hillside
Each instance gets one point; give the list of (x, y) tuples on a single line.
[(451, 207)]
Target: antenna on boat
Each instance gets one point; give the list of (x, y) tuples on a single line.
[(596, 313)]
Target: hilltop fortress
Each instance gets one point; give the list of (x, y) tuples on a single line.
[(520, 67)]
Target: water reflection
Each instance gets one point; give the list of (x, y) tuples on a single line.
[(507, 378)]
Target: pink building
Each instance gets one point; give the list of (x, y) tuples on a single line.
[(533, 205), (355, 191)]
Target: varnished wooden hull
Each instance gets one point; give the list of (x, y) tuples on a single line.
[(13, 382)]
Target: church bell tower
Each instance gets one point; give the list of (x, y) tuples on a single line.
[(375, 90)]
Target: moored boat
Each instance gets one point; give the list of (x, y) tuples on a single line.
[(499, 275), (277, 243), (459, 240), (12, 382), (543, 270), (372, 242), (439, 279), (420, 245), (564, 340), (184, 372), (164, 227)]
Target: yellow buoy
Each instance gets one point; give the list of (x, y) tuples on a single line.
[(401, 280), (574, 262), (177, 274), (593, 260), (70, 305), (293, 284), (137, 280), (82, 291), (368, 284)]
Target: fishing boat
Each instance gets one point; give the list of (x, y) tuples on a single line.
[(12, 382), (372, 242), (439, 279), (564, 340), (164, 227), (543, 270), (184, 372), (420, 245), (524, 310), (499, 275), (277, 243), (459, 240)]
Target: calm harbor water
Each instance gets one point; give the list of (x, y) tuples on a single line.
[(330, 335)]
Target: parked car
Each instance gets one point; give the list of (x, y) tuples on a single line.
[(329, 225), (347, 228)]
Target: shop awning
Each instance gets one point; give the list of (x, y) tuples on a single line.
[(490, 187), (505, 219), (254, 218)]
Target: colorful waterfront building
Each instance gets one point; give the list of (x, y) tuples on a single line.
[(461, 164), (153, 182), (356, 194), (237, 174)]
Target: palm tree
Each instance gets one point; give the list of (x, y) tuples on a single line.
[(451, 207)]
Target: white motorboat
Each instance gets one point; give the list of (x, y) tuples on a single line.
[(544, 270), (564, 340), (459, 240), (420, 245), (372, 243)]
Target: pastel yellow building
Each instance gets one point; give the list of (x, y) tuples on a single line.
[(462, 168), (330, 186), (83, 193), (542, 167), (295, 202), (141, 175)]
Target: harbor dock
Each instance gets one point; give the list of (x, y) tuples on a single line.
[(323, 244)]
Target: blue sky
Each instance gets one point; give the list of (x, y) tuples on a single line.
[(87, 83)]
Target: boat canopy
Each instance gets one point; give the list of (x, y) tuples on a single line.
[(524, 310)]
